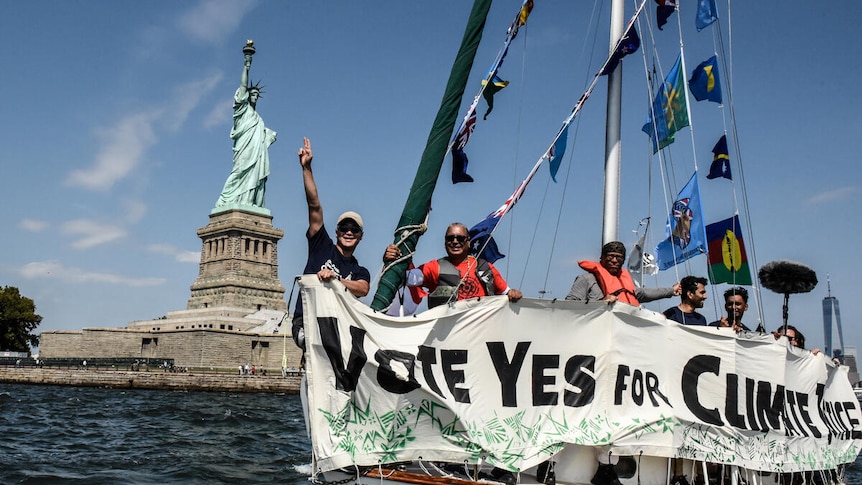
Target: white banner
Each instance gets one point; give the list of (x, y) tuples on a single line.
[(512, 384)]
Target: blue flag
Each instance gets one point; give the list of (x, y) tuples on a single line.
[(705, 82), (670, 109), (663, 11), (720, 160), (490, 90), (628, 43), (555, 155), (706, 14), (480, 236), (686, 232), (459, 158), (459, 166)]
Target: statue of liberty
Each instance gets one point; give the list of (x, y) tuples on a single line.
[(246, 184)]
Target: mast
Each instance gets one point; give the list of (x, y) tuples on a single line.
[(415, 212), (610, 214)]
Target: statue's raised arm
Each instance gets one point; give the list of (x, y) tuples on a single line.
[(246, 184)]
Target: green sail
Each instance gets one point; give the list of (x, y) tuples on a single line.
[(419, 200)]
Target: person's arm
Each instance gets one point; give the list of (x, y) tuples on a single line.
[(315, 210), (357, 288), (580, 288)]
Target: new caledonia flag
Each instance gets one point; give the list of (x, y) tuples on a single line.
[(728, 262)]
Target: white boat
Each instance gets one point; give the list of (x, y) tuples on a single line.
[(488, 390)]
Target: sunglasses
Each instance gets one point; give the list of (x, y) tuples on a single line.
[(456, 237), (345, 228)]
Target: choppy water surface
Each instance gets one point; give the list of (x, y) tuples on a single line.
[(53, 434), (68, 435)]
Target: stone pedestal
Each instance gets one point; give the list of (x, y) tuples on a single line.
[(239, 263)]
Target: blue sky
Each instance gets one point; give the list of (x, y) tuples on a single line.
[(115, 140)]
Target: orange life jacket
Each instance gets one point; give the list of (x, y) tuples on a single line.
[(622, 286)]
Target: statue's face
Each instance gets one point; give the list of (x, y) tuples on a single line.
[(253, 96)]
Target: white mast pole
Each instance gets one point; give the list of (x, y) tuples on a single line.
[(610, 219)]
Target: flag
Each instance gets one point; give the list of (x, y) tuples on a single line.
[(728, 262), (490, 90), (720, 160), (669, 109), (629, 43), (459, 166), (555, 154), (705, 82), (459, 158), (640, 262), (663, 11), (706, 14), (481, 232), (686, 237), (520, 19), (480, 237)]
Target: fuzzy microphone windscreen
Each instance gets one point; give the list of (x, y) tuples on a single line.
[(787, 277)]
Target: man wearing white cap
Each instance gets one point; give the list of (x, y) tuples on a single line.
[(327, 259)]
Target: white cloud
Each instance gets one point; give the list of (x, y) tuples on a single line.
[(92, 233), (219, 114), (832, 195), (213, 20), (33, 225), (135, 210), (179, 255), (122, 151), (55, 270), (125, 144), (187, 96)]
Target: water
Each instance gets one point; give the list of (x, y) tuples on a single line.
[(68, 435)]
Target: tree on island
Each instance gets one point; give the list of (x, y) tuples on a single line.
[(18, 319)]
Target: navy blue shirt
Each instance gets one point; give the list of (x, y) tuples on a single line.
[(322, 254), (677, 315)]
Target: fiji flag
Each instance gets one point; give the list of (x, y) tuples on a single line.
[(720, 160), (705, 82), (669, 112), (686, 237), (728, 262)]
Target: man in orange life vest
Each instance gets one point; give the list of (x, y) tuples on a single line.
[(608, 281), (458, 272)]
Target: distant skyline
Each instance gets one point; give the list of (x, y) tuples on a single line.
[(116, 140)]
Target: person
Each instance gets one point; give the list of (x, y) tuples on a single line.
[(246, 184), (794, 336), (693, 296), (608, 281), (326, 259), (458, 272), (736, 304)]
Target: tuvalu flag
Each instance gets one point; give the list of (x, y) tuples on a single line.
[(728, 262)]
